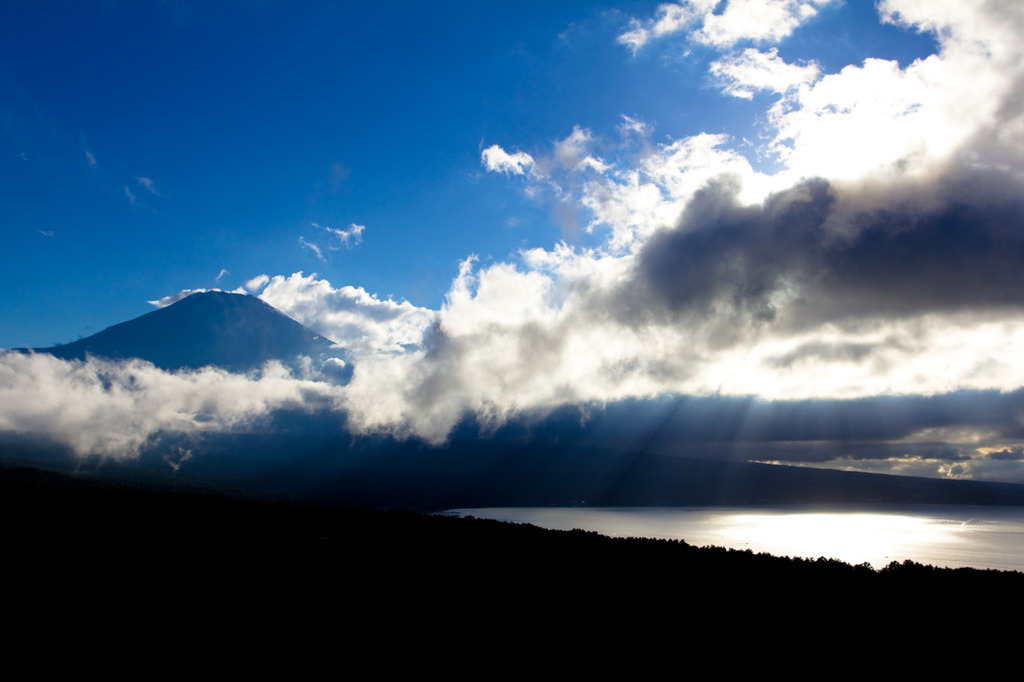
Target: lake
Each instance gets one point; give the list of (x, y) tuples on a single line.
[(951, 536)]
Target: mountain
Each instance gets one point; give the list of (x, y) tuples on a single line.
[(236, 332)]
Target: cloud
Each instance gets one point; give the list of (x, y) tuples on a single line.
[(349, 316), (343, 238), (116, 409), (337, 239), (879, 118), (148, 185), (174, 298), (635, 201), (131, 196), (573, 152), (1012, 453), (740, 20), (845, 276), (820, 254), (756, 20), (670, 18), (256, 283), (752, 70), (90, 159), (733, 301), (497, 159), (634, 126), (220, 275), (314, 248)]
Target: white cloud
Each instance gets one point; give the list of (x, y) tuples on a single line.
[(567, 326), (573, 152), (740, 20), (89, 158), (756, 20), (117, 408), (343, 238), (670, 18), (174, 298), (633, 126), (637, 201), (564, 330), (744, 74), (314, 248), (349, 316), (497, 159), (879, 118), (256, 283)]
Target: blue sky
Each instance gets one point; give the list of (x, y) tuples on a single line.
[(514, 207)]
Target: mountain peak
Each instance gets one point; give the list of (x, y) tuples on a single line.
[(237, 332)]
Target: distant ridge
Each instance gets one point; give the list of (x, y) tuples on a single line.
[(236, 332)]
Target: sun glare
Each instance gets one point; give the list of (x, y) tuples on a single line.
[(846, 536)]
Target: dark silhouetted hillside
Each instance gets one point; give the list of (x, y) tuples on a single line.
[(73, 531)]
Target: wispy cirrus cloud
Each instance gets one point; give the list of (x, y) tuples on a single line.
[(314, 248), (337, 239), (346, 238), (147, 184)]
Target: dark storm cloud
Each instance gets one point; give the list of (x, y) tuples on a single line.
[(820, 253), (879, 427), (876, 418), (1009, 454), (853, 451)]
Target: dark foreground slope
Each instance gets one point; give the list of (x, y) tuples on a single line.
[(207, 547), (105, 577)]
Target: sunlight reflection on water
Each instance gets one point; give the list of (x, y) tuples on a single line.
[(953, 536)]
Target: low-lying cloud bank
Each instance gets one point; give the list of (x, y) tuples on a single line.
[(122, 409), (881, 267), (117, 408)]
